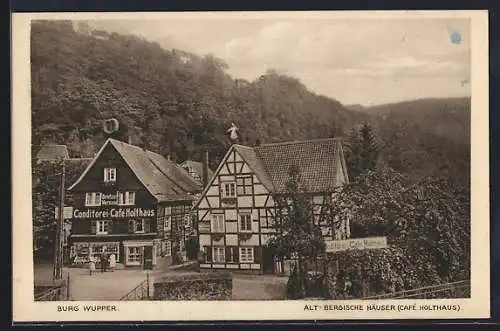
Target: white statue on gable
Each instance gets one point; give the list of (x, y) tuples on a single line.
[(233, 131)]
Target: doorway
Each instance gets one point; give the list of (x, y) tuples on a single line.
[(148, 257), (267, 261)]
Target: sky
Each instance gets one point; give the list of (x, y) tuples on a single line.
[(355, 61)]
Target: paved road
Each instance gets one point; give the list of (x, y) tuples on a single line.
[(113, 285)]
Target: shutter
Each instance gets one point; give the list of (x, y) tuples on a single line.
[(131, 226), (93, 227), (208, 253), (147, 226), (228, 254), (110, 226), (257, 254)]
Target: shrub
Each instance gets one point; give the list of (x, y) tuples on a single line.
[(295, 285)]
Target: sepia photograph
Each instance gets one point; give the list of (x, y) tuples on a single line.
[(261, 158)]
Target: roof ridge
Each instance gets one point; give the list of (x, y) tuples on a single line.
[(244, 146), (293, 142)]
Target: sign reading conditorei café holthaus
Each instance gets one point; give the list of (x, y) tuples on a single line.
[(120, 202)]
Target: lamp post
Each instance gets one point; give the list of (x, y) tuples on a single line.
[(58, 244)]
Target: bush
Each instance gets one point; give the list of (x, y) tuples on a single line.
[(295, 286), (371, 272)]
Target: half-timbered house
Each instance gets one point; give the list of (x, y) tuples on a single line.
[(237, 210), (131, 202)]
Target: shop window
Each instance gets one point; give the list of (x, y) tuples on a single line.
[(110, 174), (92, 199), (126, 198), (245, 222), (246, 255), (134, 255), (219, 254), (218, 224)]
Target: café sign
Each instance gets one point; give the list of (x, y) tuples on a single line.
[(358, 243), (113, 213)]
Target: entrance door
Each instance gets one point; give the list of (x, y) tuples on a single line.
[(148, 257), (267, 261)]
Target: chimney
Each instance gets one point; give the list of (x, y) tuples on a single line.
[(129, 140), (169, 157), (257, 143), (205, 168)]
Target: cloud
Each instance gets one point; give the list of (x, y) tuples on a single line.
[(332, 56)]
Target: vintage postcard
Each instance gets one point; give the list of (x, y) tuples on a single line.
[(250, 166)]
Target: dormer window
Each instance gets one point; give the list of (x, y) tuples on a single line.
[(109, 175)]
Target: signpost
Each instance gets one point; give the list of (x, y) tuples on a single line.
[(357, 243)]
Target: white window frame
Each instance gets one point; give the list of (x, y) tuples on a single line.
[(109, 175), (187, 220), (225, 190), (139, 221), (246, 256), (138, 254), (222, 257), (240, 221), (168, 248), (92, 199), (105, 227), (167, 225), (218, 223), (126, 198)]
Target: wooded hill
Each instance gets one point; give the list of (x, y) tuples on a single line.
[(176, 102)]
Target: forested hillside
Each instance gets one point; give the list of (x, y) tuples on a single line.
[(169, 100), (174, 102)]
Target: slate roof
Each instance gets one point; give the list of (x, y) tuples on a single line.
[(164, 179), (198, 167), (316, 160), (52, 153), (255, 163)]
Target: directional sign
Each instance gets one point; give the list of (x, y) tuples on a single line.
[(358, 243)]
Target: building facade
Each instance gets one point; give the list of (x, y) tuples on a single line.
[(123, 204), (237, 210)]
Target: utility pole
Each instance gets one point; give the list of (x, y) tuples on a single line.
[(58, 244)]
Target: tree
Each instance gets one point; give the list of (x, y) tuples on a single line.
[(362, 151), (298, 237), (430, 220)]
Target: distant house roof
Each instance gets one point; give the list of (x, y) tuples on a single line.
[(52, 152), (197, 167), (164, 179)]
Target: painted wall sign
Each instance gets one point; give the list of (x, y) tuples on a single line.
[(358, 243), (113, 213)]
